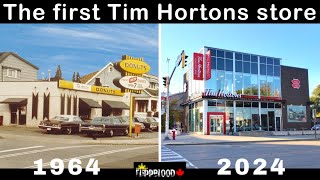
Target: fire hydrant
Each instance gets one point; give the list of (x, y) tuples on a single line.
[(173, 134)]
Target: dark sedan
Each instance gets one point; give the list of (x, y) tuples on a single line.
[(63, 123), (105, 125)]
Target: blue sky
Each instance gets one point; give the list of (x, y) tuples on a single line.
[(297, 44), (83, 48)]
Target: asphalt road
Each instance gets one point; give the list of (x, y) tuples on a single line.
[(20, 147), (295, 154)]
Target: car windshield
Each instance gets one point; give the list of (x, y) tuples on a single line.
[(61, 118), (141, 119), (124, 119), (97, 120)]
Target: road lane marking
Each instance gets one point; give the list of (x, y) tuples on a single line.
[(167, 155), (18, 149), (43, 150), (95, 155)]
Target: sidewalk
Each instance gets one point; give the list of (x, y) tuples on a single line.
[(197, 139)]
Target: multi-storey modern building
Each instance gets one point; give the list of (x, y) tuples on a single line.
[(256, 92)]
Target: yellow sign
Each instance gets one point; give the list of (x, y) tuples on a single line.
[(84, 87), (105, 90), (134, 66)]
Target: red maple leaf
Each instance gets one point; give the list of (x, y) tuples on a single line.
[(179, 172)]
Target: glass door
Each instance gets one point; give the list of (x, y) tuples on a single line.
[(216, 124), (278, 124), (271, 121)]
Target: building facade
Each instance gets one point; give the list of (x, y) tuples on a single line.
[(255, 92)]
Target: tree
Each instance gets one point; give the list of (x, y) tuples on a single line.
[(78, 77), (58, 73), (74, 77), (174, 115), (315, 99)]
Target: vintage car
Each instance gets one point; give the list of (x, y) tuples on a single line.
[(105, 125), (62, 123), (154, 124), (125, 119)]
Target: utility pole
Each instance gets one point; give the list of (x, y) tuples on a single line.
[(181, 58)]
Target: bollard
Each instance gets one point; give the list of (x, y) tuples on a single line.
[(173, 135)]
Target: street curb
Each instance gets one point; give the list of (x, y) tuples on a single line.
[(238, 142)]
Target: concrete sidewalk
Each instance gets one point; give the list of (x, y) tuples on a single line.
[(197, 139)]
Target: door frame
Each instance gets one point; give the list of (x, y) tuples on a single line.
[(216, 113)]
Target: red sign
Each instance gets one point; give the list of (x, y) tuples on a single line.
[(295, 83), (197, 66), (208, 65)]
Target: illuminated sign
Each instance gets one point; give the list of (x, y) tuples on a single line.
[(295, 83), (88, 88), (220, 94), (134, 82), (134, 66)]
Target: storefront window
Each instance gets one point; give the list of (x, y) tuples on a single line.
[(277, 86), (246, 84), (198, 121), (239, 117), (246, 126), (220, 80), (263, 86), (254, 84), (229, 82), (238, 83), (270, 85)]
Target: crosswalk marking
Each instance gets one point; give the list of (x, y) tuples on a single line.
[(167, 155)]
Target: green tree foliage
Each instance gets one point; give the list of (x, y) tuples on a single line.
[(315, 99), (174, 115)]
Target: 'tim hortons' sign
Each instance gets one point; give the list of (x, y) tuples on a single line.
[(131, 71)]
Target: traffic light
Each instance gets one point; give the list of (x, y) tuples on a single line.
[(183, 59), (165, 81)]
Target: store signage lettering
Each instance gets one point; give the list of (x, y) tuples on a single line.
[(295, 83), (134, 82), (220, 94), (197, 66), (134, 66), (84, 87), (208, 65)]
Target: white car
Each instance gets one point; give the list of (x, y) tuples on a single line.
[(317, 127)]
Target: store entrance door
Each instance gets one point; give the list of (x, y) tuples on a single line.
[(216, 123)]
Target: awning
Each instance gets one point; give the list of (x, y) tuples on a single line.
[(15, 101), (91, 103), (117, 104)]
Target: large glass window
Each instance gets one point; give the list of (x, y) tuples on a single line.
[(238, 56), (229, 65), (276, 62), (254, 58), (246, 67), (220, 80), (254, 68), (229, 82), (277, 86), (246, 126), (246, 57), (212, 83), (213, 62), (270, 61), (270, 85), (276, 70), (212, 102), (238, 66), (213, 52), (246, 84), (229, 55), (220, 63), (263, 60), (263, 70), (254, 84), (220, 53), (263, 86), (238, 83), (269, 70)]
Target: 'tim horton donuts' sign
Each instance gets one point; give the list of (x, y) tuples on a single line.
[(131, 74)]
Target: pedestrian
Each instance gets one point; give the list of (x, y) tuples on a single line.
[(231, 127)]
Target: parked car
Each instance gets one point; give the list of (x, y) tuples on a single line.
[(316, 127), (125, 120), (145, 123), (62, 123), (154, 124), (105, 125)]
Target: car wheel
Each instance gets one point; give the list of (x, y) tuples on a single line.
[(111, 133), (69, 131), (48, 132)]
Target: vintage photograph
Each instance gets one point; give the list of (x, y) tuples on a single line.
[(78, 91)]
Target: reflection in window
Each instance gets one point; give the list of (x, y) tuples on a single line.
[(229, 103), (276, 62), (270, 61), (254, 58), (276, 71), (254, 84), (246, 126), (228, 82), (254, 68), (220, 63), (212, 102), (212, 83), (238, 56), (238, 83), (246, 57), (220, 80), (213, 52), (247, 84), (277, 86), (220, 53), (263, 86), (213, 63), (229, 55), (238, 66), (262, 60), (269, 70), (263, 70), (270, 85)]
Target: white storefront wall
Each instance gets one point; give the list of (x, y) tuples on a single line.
[(25, 90)]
